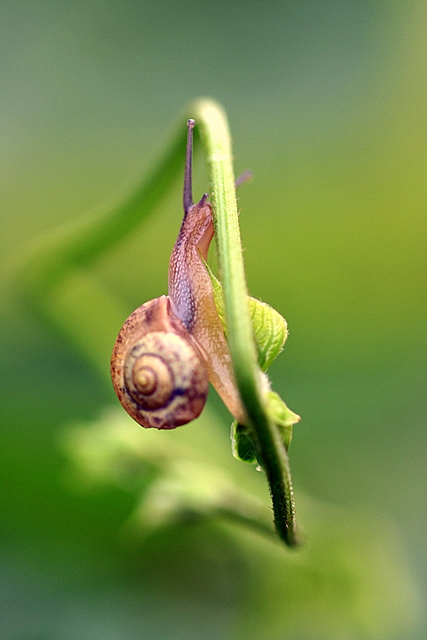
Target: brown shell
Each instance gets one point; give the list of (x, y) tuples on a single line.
[(157, 369)]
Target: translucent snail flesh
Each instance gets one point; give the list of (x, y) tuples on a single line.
[(170, 347)]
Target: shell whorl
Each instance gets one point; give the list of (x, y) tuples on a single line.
[(158, 372), (148, 378)]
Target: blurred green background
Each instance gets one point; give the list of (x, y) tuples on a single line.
[(327, 106)]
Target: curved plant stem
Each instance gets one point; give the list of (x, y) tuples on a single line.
[(270, 449), (56, 282)]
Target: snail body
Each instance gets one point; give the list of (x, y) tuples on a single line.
[(192, 300), (171, 347)]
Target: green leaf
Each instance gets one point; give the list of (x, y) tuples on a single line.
[(280, 414), (241, 443), (270, 328)]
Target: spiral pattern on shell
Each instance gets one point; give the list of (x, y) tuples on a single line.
[(162, 376), (157, 369)]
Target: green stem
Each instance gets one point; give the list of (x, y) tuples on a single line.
[(268, 443), (252, 523), (58, 285)]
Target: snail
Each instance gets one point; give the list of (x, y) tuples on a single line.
[(171, 347)]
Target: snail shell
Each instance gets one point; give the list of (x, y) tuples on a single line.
[(157, 369)]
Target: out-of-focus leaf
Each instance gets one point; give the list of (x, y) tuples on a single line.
[(351, 576)]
